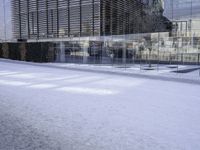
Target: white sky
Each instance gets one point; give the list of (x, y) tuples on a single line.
[(8, 19)]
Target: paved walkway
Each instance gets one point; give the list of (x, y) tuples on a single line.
[(48, 108), (163, 72)]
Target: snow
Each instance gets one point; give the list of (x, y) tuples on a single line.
[(158, 71), (47, 108)]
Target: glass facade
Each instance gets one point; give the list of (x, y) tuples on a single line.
[(113, 31), (39, 19)]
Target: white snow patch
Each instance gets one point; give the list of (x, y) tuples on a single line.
[(13, 83), (22, 76), (83, 90), (8, 72), (82, 79), (42, 86), (60, 78), (121, 83)]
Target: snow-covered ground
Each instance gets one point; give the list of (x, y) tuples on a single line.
[(43, 108), (169, 71)]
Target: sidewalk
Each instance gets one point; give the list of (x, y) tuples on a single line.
[(162, 72)]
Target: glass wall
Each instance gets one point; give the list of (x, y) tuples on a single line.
[(44, 19), (141, 50), (179, 46)]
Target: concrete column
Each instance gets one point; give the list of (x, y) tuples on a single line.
[(62, 52), (124, 53), (85, 52)]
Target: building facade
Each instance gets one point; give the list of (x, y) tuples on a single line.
[(186, 15), (40, 19), (109, 31)]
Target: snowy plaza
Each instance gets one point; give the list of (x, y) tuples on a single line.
[(49, 108)]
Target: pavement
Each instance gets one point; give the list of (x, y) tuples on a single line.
[(45, 107), (176, 73)]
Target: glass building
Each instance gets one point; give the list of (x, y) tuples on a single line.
[(112, 31), (39, 19)]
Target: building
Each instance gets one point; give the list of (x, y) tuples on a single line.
[(186, 15), (43, 19), (100, 31)]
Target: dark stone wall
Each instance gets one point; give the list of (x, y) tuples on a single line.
[(14, 52), (34, 52), (1, 52)]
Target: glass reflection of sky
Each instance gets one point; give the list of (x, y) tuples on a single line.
[(177, 9)]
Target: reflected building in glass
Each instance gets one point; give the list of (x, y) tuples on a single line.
[(111, 31), (186, 13), (39, 19)]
